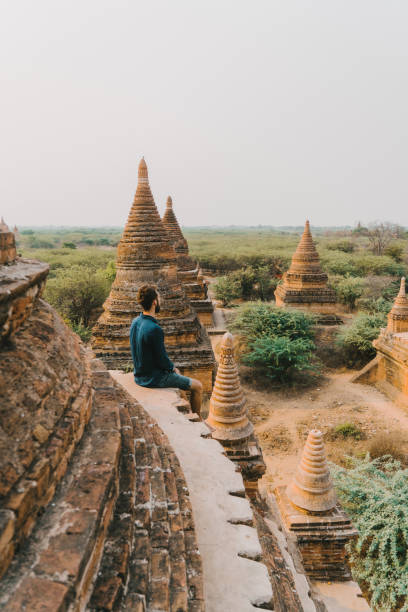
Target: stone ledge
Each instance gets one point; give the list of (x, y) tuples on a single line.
[(233, 580), (21, 283)]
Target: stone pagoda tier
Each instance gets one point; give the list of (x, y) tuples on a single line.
[(228, 418), (310, 512), (145, 255), (389, 369), (305, 284), (189, 272)]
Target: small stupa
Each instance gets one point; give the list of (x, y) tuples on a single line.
[(389, 369), (312, 488), (189, 272), (228, 417), (305, 284), (146, 255), (3, 226), (310, 511)]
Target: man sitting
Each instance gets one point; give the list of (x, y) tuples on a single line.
[(152, 366)]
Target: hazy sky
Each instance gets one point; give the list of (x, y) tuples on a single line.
[(247, 112)]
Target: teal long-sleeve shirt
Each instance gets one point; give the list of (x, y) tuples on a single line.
[(149, 354)]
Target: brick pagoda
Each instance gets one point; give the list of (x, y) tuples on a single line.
[(389, 369), (228, 418), (146, 255), (305, 284), (312, 516), (189, 273)]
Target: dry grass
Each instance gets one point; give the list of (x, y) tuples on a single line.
[(277, 437), (390, 443)]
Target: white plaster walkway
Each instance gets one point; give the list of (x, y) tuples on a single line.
[(232, 583)]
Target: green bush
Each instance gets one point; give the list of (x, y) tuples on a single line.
[(279, 357), (347, 246), (372, 306), (346, 430), (83, 332), (76, 292), (226, 289), (256, 319), (278, 342), (395, 251), (69, 245), (375, 495), (356, 340), (349, 289)]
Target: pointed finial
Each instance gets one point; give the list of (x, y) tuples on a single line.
[(169, 202), (142, 172), (402, 287), (227, 341)]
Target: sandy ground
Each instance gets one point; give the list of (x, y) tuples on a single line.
[(283, 418)]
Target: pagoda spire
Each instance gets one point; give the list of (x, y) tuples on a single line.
[(398, 316), (173, 229), (189, 274), (305, 284), (3, 226), (146, 256), (312, 488)]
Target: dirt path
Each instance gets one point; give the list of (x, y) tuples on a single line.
[(282, 419)]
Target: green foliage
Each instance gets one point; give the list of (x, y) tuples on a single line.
[(257, 319), (69, 245), (226, 289), (76, 292), (347, 430), (375, 306), (248, 283), (279, 342), (347, 246), (83, 332), (395, 250), (349, 289), (356, 339), (280, 357), (375, 495)]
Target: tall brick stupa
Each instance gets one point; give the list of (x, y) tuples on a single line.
[(146, 255), (189, 272), (305, 284)]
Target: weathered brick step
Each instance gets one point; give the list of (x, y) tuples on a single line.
[(53, 571), (150, 560)]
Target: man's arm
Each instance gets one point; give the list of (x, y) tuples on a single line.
[(159, 350)]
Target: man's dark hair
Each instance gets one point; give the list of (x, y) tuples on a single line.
[(146, 295)]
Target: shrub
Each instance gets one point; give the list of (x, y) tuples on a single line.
[(257, 319), (69, 245), (347, 246), (372, 306), (346, 430), (386, 444), (395, 251), (375, 495), (76, 292), (226, 289), (356, 339), (279, 357), (83, 332), (349, 289), (278, 342)]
